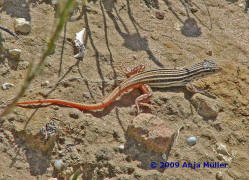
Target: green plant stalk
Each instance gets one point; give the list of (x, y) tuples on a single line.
[(36, 70), (76, 174)]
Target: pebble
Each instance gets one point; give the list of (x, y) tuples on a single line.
[(241, 4), (23, 5), (54, 2), (193, 9), (154, 37), (191, 141), (121, 147), (15, 53), (210, 53), (61, 153), (219, 175), (169, 44), (160, 15), (177, 26), (58, 164), (74, 115), (23, 65), (22, 26), (222, 149), (222, 157), (7, 85), (45, 83), (19, 165), (164, 156)]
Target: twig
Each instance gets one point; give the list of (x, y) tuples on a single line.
[(9, 31), (178, 132)]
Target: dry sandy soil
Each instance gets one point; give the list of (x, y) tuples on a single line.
[(125, 32)]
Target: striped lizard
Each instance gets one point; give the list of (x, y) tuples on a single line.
[(137, 78)]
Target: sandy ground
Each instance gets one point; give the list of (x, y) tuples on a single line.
[(126, 32)]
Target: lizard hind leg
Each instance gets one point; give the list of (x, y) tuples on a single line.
[(144, 98)]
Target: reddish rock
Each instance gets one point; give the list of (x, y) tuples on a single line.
[(152, 132)]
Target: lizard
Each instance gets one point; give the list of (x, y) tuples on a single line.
[(144, 80)]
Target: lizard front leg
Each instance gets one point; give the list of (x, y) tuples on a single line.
[(129, 72), (190, 87)]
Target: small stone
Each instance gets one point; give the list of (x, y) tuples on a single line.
[(222, 149), (74, 115), (164, 156), (169, 44), (241, 4), (154, 37), (191, 141), (19, 165), (7, 85), (45, 83), (58, 164), (178, 26), (55, 108), (61, 153), (152, 132), (23, 5), (22, 26), (15, 54), (193, 9), (23, 65), (219, 175), (210, 53), (121, 147), (206, 107), (222, 157), (160, 15), (54, 2)]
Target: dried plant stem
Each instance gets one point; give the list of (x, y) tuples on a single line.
[(33, 71)]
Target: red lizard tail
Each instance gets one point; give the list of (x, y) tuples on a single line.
[(65, 103)]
